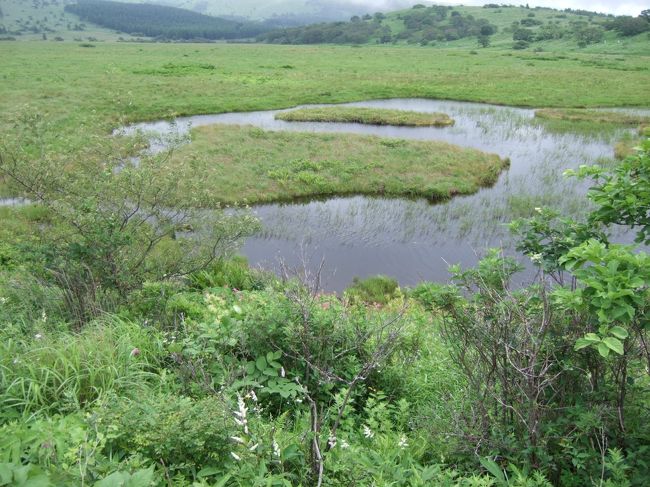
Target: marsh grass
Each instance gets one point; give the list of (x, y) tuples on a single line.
[(236, 164), (369, 116), (596, 116)]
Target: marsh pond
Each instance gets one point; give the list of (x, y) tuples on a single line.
[(415, 239)]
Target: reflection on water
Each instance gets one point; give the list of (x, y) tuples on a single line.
[(14, 201), (413, 240)]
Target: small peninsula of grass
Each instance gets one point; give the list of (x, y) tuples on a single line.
[(235, 164), (594, 116), (369, 116)]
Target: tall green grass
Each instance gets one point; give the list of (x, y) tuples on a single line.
[(63, 372)]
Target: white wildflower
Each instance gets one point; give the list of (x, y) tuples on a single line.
[(282, 372), (43, 317), (38, 336), (3, 300), (538, 210), (235, 456), (240, 414), (237, 439), (344, 444), (537, 258), (252, 395), (252, 448), (276, 448), (403, 442), (367, 432)]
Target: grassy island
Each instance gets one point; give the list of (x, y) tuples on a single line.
[(247, 163), (593, 116), (368, 116)]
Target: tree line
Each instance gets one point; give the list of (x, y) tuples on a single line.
[(422, 25), (161, 22)]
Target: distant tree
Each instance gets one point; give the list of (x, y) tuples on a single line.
[(483, 41), (488, 30), (523, 35), (589, 35), (629, 26)]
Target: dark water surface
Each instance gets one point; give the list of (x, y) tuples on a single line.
[(414, 240)]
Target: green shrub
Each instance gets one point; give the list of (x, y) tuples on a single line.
[(234, 273), (377, 289), (181, 433)]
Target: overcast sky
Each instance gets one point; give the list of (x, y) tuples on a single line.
[(624, 7)]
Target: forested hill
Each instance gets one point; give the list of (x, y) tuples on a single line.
[(161, 22), (435, 22), (491, 25)]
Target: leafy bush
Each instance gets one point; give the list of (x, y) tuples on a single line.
[(182, 433), (377, 289)]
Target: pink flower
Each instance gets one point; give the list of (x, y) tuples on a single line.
[(135, 352)]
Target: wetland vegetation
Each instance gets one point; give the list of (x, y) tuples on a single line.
[(252, 165), (137, 348), (376, 116)]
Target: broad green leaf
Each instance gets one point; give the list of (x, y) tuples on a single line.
[(5, 473), (619, 332), (142, 478), (603, 350), (260, 363), (494, 469), (614, 344), (583, 343), (250, 368), (207, 472)]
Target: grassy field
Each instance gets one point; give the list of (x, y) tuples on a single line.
[(114, 83), (248, 164), (369, 116)]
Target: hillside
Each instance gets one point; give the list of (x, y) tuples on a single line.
[(471, 27), (47, 19), (305, 11), (161, 22), (27, 20)]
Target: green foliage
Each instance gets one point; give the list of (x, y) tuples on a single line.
[(376, 289), (17, 475), (185, 434), (54, 372), (234, 273), (623, 195), (113, 216)]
